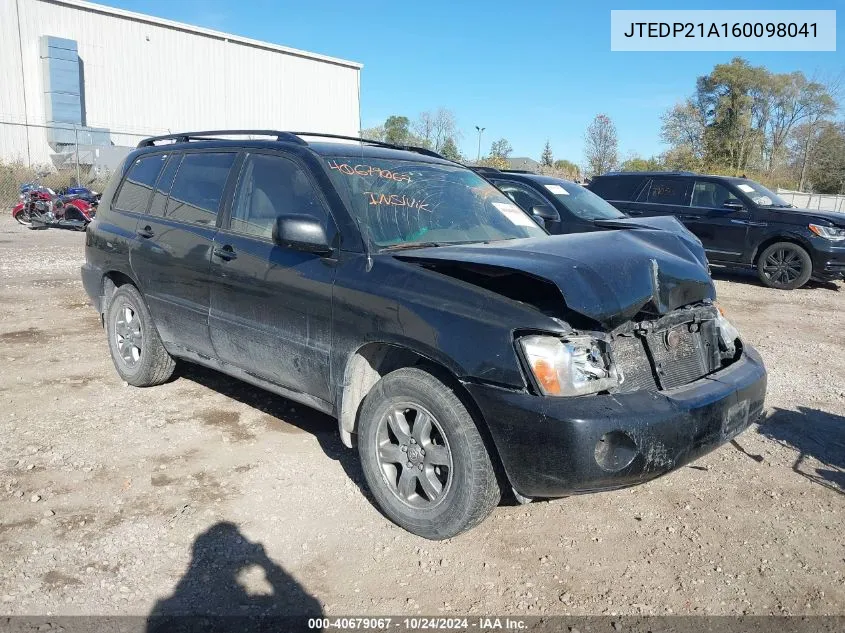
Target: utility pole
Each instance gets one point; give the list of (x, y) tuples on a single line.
[(480, 130)]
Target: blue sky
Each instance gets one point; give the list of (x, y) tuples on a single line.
[(526, 71)]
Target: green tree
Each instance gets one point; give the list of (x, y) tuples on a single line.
[(683, 129), (826, 166), (450, 150), (498, 156), (601, 146), (636, 163), (501, 148), (546, 158), (567, 169), (731, 98), (397, 130)]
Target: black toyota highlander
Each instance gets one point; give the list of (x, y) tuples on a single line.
[(463, 350)]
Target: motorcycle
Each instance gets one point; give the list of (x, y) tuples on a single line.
[(41, 207)]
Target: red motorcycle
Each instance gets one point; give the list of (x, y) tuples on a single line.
[(41, 208)]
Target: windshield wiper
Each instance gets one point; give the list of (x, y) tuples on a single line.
[(403, 245)]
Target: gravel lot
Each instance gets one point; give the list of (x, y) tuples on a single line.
[(208, 495)]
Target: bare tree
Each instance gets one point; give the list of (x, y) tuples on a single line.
[(821, 106), (436, 128), (601, 146)]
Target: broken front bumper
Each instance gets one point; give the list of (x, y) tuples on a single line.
[(553, 447)]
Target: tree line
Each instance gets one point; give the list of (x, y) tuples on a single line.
[(779, 128)]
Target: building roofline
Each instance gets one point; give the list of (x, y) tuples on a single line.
[(190, 28)]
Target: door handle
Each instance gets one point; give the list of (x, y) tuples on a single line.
[(633, 212), (690, 217), (226, 253), (146, 232)]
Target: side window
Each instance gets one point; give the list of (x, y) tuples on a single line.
[(522, 195), (165, 182), (198, 187), (711, 194), (134, 195), (622, 188), (665, 191), (270, 186)]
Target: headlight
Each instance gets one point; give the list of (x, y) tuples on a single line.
[(828, 232), (728, 334), (573, 367)]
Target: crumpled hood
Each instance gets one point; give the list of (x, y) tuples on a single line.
[(608, 276)]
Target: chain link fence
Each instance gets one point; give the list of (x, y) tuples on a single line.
[(59, 156)]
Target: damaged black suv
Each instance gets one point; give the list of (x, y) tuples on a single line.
[(463, 349)]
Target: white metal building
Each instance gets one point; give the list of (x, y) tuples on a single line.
[(87, 76)]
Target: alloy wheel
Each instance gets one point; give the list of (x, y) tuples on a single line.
[(782, 266), (414, 456), (128, 335)]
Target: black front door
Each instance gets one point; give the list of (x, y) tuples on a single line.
[(172, 256), (722, 229), (271, 307)]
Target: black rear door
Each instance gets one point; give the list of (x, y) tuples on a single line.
[(664, 195), (173, 256)]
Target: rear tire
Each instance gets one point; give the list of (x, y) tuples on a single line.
[(136, 349), (23, 218), (784, 266), (423, 458)]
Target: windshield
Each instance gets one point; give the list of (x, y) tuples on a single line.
[(582, 202), (761, 196), (400, 202)]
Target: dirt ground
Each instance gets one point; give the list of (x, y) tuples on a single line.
[(206, 494)]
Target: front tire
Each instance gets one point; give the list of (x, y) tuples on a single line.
[(423, 457), (784, 266), (136, 349), (23, 218)]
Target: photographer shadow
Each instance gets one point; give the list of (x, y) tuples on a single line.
[(819, 439), (232, 584)]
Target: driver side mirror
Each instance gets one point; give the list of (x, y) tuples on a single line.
[(545, 212), (302, 233), (734, 206)]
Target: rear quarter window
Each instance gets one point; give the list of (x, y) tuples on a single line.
[(134, 194), (623, 188)]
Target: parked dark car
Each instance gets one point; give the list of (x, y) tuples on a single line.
[(739, 221), (460, 346), (559, 205)]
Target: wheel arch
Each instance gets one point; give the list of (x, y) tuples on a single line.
[(373, 360), (111, 281), (779, 237)]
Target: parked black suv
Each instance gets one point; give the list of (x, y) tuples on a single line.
[(739, 221), (462, 347)]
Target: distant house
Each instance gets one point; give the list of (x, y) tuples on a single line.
[(527, 164)]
